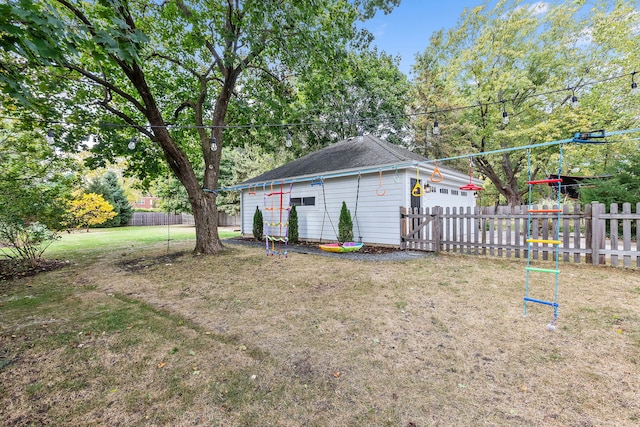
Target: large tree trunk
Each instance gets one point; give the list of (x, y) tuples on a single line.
[(506, 187), (205, 214), (203, 203)]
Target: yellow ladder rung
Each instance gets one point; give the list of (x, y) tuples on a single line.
[(553, 242)]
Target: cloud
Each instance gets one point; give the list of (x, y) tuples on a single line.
[(536, 9), (539, 8)]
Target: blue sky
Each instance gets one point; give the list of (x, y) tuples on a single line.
[(407, 29)]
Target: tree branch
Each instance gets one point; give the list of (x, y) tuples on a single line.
[(92, 31), (181, 107), (175, 62), (108, 85), (127, 119)]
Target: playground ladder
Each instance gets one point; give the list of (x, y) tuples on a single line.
[(276, 221), (555, 240)]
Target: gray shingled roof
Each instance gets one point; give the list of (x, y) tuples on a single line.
[(343, 155)]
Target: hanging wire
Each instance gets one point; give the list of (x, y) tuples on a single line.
[(436, 129), (397, 166)]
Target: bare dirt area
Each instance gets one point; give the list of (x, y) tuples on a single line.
[(11, 269), (244, 339)]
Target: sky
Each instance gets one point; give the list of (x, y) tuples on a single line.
[(407, 29)]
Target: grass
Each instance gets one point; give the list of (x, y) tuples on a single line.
[(81, 243), (130, 334)]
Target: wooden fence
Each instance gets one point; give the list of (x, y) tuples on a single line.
[(160, 218), (588, 234)]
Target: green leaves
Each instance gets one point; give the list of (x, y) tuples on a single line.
[(528, 62), (33, 179), (201, 66)]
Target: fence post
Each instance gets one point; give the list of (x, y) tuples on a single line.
[(638, 235), (598, 233), (588, 231), (437, 228)]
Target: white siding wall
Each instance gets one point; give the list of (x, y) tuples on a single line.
[(377, 219), (446, 193)]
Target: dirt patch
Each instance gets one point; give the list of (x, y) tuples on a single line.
[(137, 264), (12, 269)]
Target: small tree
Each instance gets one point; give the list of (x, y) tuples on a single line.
[(293, 225), (345, 225), (258, 224), (108, 186), (89, 210), (26, 242)]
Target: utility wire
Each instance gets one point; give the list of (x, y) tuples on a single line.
[(395, 167), (335, 122)]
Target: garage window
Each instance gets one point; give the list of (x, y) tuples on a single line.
[(303, 201)]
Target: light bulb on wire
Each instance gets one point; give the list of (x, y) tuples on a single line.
[(214, 145), (436, 128), (505, 115), (288, 142), (51, 137), (505, 118), (132, 143), (574, 100), (361, 136)]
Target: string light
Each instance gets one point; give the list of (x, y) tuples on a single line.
[(574, 99), (361, 136), (51, 137), (132, 143), (505, 115), (288, 142), (214, 145), (436, 128)]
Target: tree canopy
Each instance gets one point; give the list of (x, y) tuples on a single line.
[(34, 179), (527, 61), (183, 77)]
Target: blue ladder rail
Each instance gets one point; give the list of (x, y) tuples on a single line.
[(539, 301)]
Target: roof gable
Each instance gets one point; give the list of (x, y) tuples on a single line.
[(343, 155)]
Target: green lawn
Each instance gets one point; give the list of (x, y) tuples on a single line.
[(131, 332), (82, 244)]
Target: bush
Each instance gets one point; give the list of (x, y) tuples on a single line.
[(258, 225), (293, 225), (345, 225), (110, 189), (26, 242), (89, 210)]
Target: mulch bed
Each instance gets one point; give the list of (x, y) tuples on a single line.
[(313, 246), (13, 269)]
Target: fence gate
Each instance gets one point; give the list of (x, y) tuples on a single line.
[(420, 228)]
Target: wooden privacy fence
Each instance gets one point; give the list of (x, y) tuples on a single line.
[(588, 234), (160, 218)]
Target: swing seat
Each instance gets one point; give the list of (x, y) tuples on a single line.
[(342, 247)]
